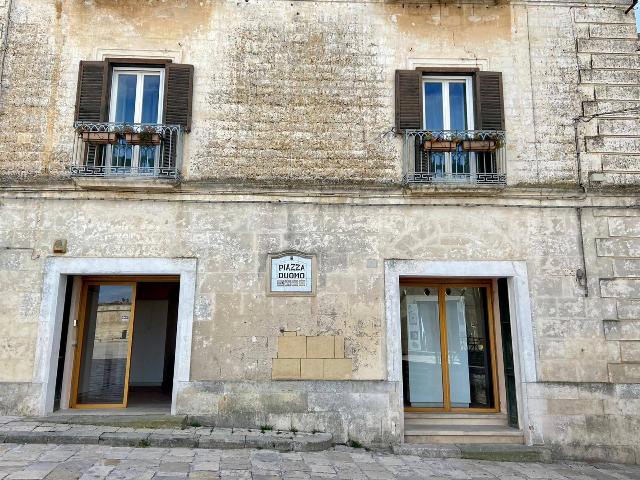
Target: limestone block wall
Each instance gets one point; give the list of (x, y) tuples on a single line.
[(311, 358), (4, 24), (304, 94), (609, 56), (618, 250), (587, 404)]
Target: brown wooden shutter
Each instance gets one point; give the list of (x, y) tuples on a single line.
[(489, 102), (408, 100), (178, 95), (91, 98)]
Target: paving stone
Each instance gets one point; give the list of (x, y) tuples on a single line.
[(206, 466), (204, 475), (104, 462)]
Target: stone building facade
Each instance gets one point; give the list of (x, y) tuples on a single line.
[(295, 146)]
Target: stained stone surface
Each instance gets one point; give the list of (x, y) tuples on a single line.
[(93, 462), (22, 430)]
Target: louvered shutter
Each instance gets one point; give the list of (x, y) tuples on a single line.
[(489, 103), (91, 98), (178, 93), (408, 100)]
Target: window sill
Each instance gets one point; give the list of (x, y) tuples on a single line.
[(127, 183)]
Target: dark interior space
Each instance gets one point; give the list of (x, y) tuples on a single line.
[(63, 342), (154, 344)]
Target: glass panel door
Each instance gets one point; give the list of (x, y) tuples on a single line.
[(447, 108), (421, 348), (104, 345), (462, 334), (150, 110), (126, 88), (458, 120), (434, 120), (136, 98)]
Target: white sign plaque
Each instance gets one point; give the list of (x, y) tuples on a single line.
[(292, 273)]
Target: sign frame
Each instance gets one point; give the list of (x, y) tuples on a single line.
[(292, 253)]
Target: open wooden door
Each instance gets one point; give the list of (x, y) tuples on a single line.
[(103, 354)]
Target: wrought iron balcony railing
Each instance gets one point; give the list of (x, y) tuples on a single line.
[(476, 157), (110, 149)]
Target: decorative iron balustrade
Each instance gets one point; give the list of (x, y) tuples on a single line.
[(109, 149), (476, 157)]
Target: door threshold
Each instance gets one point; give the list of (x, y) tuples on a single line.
[(137, 410)]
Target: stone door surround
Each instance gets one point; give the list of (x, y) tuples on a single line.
[(56, 272)]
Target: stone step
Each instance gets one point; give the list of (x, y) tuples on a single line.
[(116, 419), (30, 431), (418, 418), (444, 434), (494, 452)]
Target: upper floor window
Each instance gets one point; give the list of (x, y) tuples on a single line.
[(448, 103), (453, 126), (130, 117), (136, 95)]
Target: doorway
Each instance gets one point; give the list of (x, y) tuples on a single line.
[(126, 337), (448, 346)]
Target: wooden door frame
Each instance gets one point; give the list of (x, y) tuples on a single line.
[(441, 284), (82, 317)]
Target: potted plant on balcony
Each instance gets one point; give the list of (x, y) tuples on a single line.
[(482, 142), (147, 135), (439, 143), (98, 138)]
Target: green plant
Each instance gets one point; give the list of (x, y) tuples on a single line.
[(354, 444), (293, 430), (146, 134), (144, 443), (264, 428), (314, 431), (194, 423)]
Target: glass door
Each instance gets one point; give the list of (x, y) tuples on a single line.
[(448, 347), (448, 108), (103, 351), (136, 98)]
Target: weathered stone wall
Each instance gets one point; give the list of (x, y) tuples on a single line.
[(608, 53), (583, 352), (588, 401), (304, 92)]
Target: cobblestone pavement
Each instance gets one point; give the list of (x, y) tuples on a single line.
[(89, 462)]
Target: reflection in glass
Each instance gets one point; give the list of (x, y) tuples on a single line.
[(105, 344), (126, 98), (457, 106), (468, 345), (433, 106), (150, 101), (421, 352), (150, 98)]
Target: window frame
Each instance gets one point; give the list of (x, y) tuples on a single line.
[(140, 72), (446, 80)]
